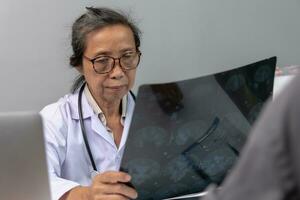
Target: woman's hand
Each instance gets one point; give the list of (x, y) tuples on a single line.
[(111, 186), (106, 186)]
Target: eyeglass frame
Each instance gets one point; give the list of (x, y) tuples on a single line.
[(92, 60)]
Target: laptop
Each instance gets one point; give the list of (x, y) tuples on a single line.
[(188, 134), (23, 168)]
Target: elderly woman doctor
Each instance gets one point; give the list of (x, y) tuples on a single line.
[(86, 130)]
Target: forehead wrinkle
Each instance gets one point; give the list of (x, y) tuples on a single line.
[(110, 40)]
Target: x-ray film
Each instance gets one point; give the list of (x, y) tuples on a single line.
[(188, 134)]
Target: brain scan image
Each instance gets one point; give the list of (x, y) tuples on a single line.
[(263, 73), (151, 135), (166, 190), (142, 169), (189, 131), (235, 82), (186, 135), (176, 169), (216, 162)]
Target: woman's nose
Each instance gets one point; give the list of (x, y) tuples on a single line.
[(117, 71)]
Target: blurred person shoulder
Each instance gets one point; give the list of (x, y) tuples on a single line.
[(269, 166)]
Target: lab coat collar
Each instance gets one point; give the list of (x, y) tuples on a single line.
[(127, 122), (101, 130), (96, 126), (87, 111)]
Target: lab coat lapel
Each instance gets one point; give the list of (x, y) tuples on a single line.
[(86, 108), (128, 117), (99, 129), (87, 112)]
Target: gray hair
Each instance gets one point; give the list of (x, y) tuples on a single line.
[(94, 19)]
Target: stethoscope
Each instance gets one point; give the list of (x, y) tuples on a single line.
[(83, 130)]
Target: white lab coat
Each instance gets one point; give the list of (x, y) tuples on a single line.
[(68, 161)]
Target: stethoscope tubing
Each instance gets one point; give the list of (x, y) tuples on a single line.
[(83, 130)]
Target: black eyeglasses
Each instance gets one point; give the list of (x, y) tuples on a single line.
[(105, 64)]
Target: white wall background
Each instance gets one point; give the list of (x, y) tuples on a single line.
[(181, 39)]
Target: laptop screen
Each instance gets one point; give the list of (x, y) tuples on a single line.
[(23, 169), (188, 134)]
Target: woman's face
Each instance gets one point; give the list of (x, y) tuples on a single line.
[(114, 41)]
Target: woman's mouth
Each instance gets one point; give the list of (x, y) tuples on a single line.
[(119, 87)]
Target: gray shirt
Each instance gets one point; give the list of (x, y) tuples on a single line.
[(269, 167)]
